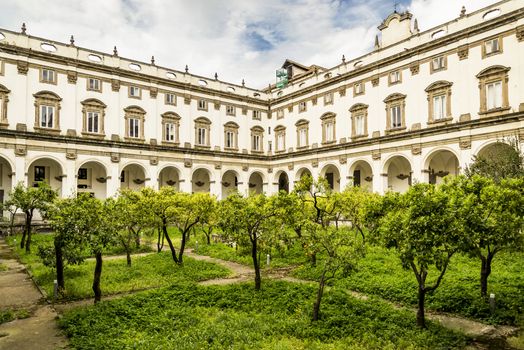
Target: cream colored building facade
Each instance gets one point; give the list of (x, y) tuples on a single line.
[(417, 107)]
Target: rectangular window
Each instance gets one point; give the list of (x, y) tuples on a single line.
[(330, 131), (359, 125), (134, 91), (48, 76), (394, 77), (202, 105), (280, 114), (230, 110), (94, 84), (82, 174), (92, 122), (39, 173), (492, 46), (396, 117), (269, 146), (170, 99), (47, 114), (256, 115), (302, 137), (170, 132), (201, 136), (134, 127), (256, 143), (359, 89), (328, 98), (439, 107), (230, 139), (302, 106), (494, 95), (280, 142), (438, 63)]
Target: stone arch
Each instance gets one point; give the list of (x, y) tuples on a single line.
[(6, 177), (169, 175), (230, 182), (201, 180), (91, 177), (440, 163), (282, 181), (331, 173), (398, 171), (46, 168), (133, 176), (361, 174), (302, 172), (256, 183)]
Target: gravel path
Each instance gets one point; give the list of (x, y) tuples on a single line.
[(18, 292)]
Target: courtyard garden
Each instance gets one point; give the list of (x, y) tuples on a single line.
[(310, 269)]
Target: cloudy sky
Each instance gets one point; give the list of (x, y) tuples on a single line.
[(235, 38)]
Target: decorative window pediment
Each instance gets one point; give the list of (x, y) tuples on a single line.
[(359, 120), (395, 112), (280, 138), (493, 85), (257, 139), (202, 132), (394, 97), (328, 127), (134, 116), (231, 136), (93, 115), (302, 133), (439, 101), (47, 112), (171, 128)]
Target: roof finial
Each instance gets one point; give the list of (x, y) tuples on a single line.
[(153, 60), (415, 26), (377, 45), (243, 82), (463, 11), (343, 58), (216, 76), (24, 29), (72, 40), (187, 68), (115, 51)]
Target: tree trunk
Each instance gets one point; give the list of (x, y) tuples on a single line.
[(28, 220), (485, 271), (128, 256), (314, 259), (158, 247), (421, 321), (173, 252), (320, 293), (256, 263), (22, 241), (96, 279), (182, 246), (59, 267), (137, 240)]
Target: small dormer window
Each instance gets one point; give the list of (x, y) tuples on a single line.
[(328, 98), (202, 105), (257, 115), (302, 107), (135, 92), (358, 89), (170, 99), (438, 63), (94, 85), (280, 113), (230, 110), (395, 77), (48, 76), (492, 47)]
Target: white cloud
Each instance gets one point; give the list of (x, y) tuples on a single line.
[(235, 38)]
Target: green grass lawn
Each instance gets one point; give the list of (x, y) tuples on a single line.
[(237, 317), (380, 273), (154, 270)]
